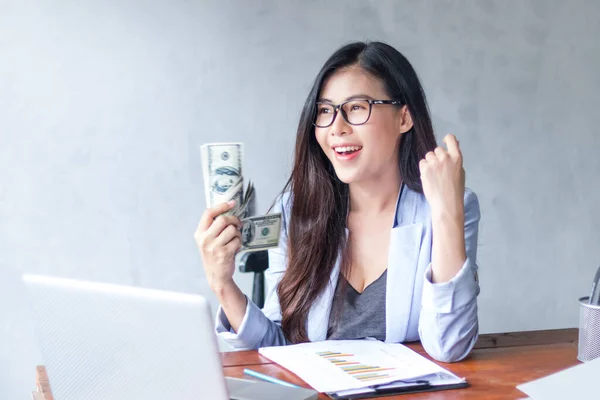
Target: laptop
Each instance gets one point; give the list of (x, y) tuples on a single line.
[(112, 342)]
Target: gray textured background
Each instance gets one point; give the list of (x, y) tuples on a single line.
[(104, 104)]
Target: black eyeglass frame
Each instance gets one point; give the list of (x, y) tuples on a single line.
[(339, 107)]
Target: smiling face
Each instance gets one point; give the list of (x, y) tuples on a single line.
[(361, 152)]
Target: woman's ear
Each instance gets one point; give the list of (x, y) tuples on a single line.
[(406, 122)]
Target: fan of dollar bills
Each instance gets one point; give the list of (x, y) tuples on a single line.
[(224, 181)]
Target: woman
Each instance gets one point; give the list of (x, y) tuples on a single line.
[(380, 234)]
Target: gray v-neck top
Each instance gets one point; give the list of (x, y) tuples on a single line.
[(363, 314)]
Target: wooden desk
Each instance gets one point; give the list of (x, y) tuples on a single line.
[(494, 368)]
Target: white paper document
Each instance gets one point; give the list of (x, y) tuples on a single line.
[(577, 382), (355, 366)]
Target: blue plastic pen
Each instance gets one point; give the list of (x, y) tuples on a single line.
[(268, 378)]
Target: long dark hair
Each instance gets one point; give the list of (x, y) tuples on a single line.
[(320, 200)]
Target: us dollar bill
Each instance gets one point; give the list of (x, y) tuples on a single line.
[(241, 211), (223, 175), (261, 233)]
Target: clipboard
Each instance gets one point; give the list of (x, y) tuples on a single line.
[(397, 387), (352, 369), (407, 389)]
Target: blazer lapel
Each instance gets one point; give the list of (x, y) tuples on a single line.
[(403, 258), (318, 316)]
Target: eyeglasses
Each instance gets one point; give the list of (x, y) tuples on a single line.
[(354, 112)]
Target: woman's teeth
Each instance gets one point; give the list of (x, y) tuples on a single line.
[(347, 149)]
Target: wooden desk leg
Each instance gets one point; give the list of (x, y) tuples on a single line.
[(42, 384)]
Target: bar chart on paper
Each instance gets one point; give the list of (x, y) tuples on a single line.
[(337, 365), (352, 366)]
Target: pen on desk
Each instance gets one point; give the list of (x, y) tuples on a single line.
[(268, 378), (595, 295)]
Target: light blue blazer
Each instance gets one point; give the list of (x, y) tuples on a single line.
[(442, 315)]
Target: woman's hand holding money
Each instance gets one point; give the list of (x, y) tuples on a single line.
[(219, 238)]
